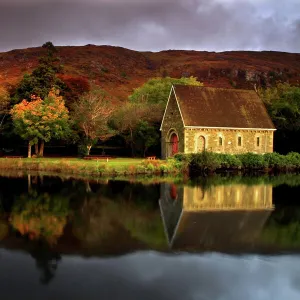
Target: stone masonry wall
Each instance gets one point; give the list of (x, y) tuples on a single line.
[(229, 140), (172, 123)]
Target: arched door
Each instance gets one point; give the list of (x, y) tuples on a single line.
[(201, 143), (174, 143)]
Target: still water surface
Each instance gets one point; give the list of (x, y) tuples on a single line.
[(222, 238)]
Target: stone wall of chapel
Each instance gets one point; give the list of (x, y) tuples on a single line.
[(229, 140), (172, 122)]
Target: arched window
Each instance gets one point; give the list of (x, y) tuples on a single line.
[(220, 141), (200, 143), (239, 141), (257, 141)]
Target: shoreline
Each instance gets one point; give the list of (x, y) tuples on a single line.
[(187, 166)]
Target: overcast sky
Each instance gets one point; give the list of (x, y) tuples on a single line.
[(213, 25)]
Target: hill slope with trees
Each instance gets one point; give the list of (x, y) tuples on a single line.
[(118, 70)]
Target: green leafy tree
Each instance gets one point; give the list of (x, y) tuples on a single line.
[(138, 120), (146, 136), (127, 119), (92, 112), (283, 104), (41, 120), (157, 90), (43, 78)]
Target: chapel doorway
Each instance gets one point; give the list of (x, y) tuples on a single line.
[(174, 143), (201, 143)]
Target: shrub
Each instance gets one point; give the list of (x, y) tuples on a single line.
[(274, 160), (252, 161), (205, 161), (131, 169), (292, 160), (150, 167), (230, 161)]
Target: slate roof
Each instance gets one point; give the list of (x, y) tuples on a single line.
[(215, 107)]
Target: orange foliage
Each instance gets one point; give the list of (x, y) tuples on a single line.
[(76, 86), (104, 64), (48, 227), (55, 108)]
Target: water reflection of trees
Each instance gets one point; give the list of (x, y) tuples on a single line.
[(46, 260), (283, 228), (3, 227), (119, 217), (40, 215)]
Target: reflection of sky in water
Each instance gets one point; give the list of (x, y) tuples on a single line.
[(149, 275)]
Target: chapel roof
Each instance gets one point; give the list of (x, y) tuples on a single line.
[(216, 107)]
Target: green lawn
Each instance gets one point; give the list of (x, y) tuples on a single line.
[(82, 166), (115, 162)]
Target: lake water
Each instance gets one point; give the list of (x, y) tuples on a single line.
[(216, 238)]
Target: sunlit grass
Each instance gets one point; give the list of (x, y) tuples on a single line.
[(115, 166)]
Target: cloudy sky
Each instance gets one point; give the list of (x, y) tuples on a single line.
[(213, 25), (150, 275)]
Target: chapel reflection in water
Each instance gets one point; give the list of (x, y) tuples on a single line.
[(217, 218)]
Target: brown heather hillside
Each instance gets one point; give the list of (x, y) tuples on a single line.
[(119, 70)]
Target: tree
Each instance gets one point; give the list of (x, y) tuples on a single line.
[(157, 90), (4, 105), (41, 120), (43, 77), (91, 113), (283, 104), (127, 119), (146, 136), (138, 120)]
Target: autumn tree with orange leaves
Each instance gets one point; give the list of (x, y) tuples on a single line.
[(38, 121)]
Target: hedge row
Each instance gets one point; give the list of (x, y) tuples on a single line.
[(210, 161)]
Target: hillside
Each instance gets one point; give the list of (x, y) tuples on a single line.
[(120, 70)]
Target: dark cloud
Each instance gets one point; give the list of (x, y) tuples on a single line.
[(149, 275), (152, 24)]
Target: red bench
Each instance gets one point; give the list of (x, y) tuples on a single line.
[(151, 157)]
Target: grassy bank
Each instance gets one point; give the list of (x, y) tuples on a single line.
[(210, 162), (74, 166), (206, 162)]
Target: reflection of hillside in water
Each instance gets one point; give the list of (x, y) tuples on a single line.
[(216, 218)]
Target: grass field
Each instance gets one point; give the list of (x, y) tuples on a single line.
[(116, 166)]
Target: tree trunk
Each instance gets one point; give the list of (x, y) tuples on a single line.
[(89, 147), (42, 146), (131, 143), (36, 148), (29, 150), (145, 150)]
